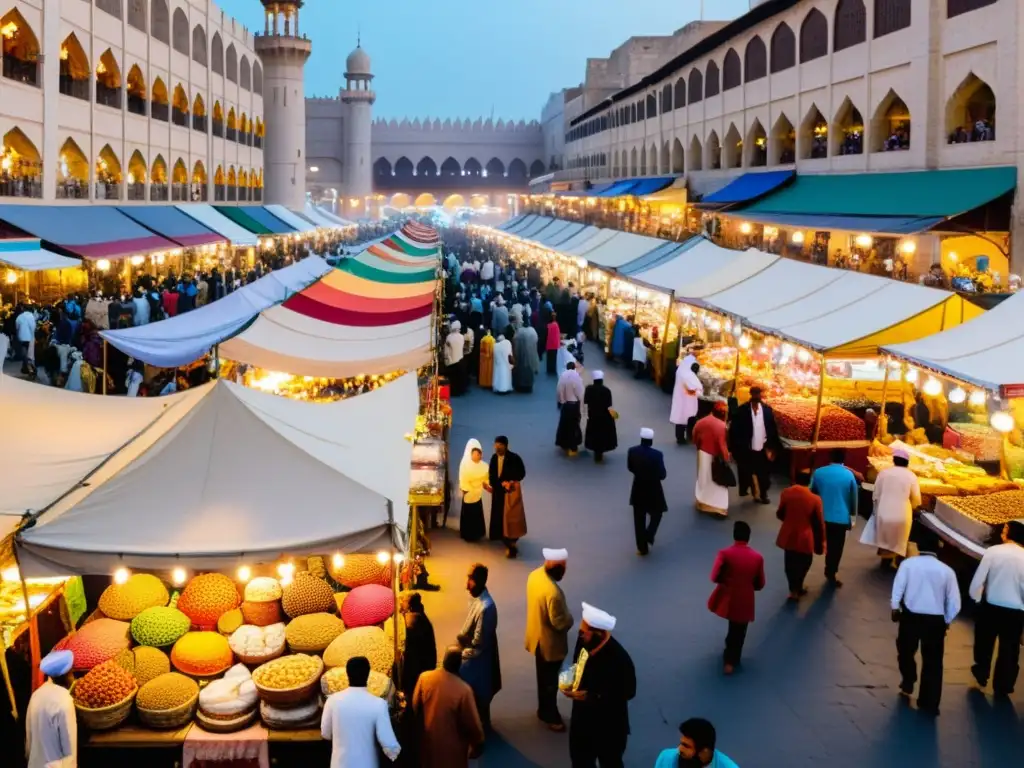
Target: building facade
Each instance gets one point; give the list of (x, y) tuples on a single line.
[(129, 101)]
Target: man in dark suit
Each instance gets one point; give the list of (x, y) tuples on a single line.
[(505, 473), (753, 441), (647, 497)]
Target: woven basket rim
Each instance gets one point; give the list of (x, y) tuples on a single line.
[(174, 710), (103, 710), (295, 688)]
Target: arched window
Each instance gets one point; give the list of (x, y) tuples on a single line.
[(642, 168), (137, 174), (652, 106), (20, 49), (848, 130), (783, 48), (890, 127), (25, 165), (666, 98), (695, 85), (217, 54), (199, 179), (679, 99), (245, 74), (257, 78), (695, 154), (159, 104), (75, 74), (732, 70), (72, 171), (198, 114), (891, 16), (137, 14), (813, 135), (813, 36), (494, 169), (652, 161), (733, 149), (232, 184), (179, 32), (517, 170), (426, 167), (451, 168), (632, 162), (851, 25), (199, 45), (678, 158), (758, 157), (108, 81), (382, 169), (179, 181), (640, 113), (219, 184), (108, 175), (160, 21), (633, 114), (113, 7), (666, 158), (956, 7), (713, 148), (180, 107), (755, 60), (472, 168), (711, 80), (783, 142), (971, 112), (231, 64), (537, 168), (136, 91)]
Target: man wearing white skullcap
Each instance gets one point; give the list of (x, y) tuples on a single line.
[(605, 681), (548, 621), (647, 497), (51, 731)]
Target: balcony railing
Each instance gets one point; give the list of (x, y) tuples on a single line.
[(108, 96), (218, 193), (11, 187), (137, 191), (159, 111), (258, 142), (232, 194), (232, 134), (204, 193), (72, 189), (199, 123), (78, 89), (179, 193), (257, 194), (26, 72), (218, 128), (137, 104), (158, 192), (108, 190), (248, 139), (178, 117), (243, 193)]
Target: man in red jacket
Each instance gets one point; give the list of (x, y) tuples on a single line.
[(738, 573), (802, 535)]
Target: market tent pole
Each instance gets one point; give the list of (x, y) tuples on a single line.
[(396, 615), (104, 366), (883, 418), (216, 361), (821, 391), (664, 338)]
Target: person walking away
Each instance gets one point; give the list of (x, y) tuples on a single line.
[(469, 355), (754, 439), (51, 728), (802, 535), (454, 350), (697, 739), (473, 477), (738, 573), (505, 475), (499, 315), (569, 395), (552, 342), (685, 401), (998, 588), (925, 600), (709, 438), (581, 313), (836, 485), (525, 351), (647, 496), (25, 329), (504, 362), (639, 353), (480, 667), (448, 726), (487, 271), (548, 621), (355, 721), (897, 494), (485, 377), (601, 436), (420, 645)]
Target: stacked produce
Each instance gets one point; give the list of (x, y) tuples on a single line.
[(288, 692), (256, 645), (97, 641), (160, 627), (230, 621), (940, 471), (357, 570), (979, 440), (367, 606), (313, 632), (335, 680), (202, 654), (208, 597), (370, 642), (795, 420), (103, 698), (307, 594), (167, 701), (228, 704), (993, 508), (149, 663), (128, 600)]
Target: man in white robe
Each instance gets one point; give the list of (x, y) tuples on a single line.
[(896, 495), (685, 399), (355, 721), (51, 731), (454, 351), (502, 382)]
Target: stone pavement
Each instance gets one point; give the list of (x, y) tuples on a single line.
[(819, 683)]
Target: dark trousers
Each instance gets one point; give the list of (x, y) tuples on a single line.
[(754, 473), (734, 639), (797, 565), (1005, 624), (643, 532), (835, 541), (552, 356), (547, 688), (684, 432), (928, 633), (588, 749)]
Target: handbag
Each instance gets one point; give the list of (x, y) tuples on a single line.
[(721, 473)]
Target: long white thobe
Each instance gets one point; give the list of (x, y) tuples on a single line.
[(896, 494), (51, 732), (354, 720)]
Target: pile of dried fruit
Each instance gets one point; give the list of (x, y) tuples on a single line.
[(105, 685), (287, 672), (992, 508), (795, 421)]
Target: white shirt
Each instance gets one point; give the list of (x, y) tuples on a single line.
[(487, 270), (454, 348), (760, 436), (353, 719), (26, 326), (1000, 577), (925, 585), (581, 311), (51, 731)]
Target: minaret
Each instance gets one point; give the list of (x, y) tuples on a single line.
[(284, 55), (359, 98)]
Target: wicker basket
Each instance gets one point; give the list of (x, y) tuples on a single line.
[(105, 718), (255, 661), (297, 695), (169, 718), (218, 724)]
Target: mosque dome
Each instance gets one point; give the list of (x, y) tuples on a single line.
[(358, 63)]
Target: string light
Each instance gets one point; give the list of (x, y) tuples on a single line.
[(383, 557), (244, 574), (977, 397), (338, 561), (398, 558), (121, 575), (178, 576), (957, 395), (912, 375), (286, 570), (932, 387), (1002, 421)]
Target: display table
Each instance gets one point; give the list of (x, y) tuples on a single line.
[(803, 455), (136, 737), (247, 748), (951, 536)]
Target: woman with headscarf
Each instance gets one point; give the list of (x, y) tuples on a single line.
[(601, 434), (472, 483), (503, 363)]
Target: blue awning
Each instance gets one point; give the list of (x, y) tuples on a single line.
[(649, 186), (168, 221), (261, 215), (658, 256), (882, 225), (616, 189), (90, 231), (748, 187)]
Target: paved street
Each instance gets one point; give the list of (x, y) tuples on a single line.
[(819, 682)]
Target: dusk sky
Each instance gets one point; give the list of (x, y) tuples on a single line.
[(467, 58)]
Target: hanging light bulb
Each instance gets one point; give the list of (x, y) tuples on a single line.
[(286, 570), (244, 573), (178, 576), (957, 395), (383, 557), (121, 575), (912, 375), (932, 387), (977, 397), (103, 265), (803, 355), (399, 558), (338, 561), (787, 350), (744, 342), (1002, 421)]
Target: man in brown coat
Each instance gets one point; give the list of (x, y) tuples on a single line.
[(447, 723), (548, 622)]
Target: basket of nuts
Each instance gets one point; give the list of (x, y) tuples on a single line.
[(289, 679)]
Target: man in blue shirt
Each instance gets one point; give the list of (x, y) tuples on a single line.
[(837, 487)]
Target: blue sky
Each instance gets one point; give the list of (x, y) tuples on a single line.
[(465, 58)]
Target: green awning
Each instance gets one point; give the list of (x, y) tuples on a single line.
[(359, 269), (917, 194), (242, 219)]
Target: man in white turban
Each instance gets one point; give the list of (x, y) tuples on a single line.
[(548, 621), (605, 682), (51, 731)]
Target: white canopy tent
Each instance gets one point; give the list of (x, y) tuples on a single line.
[(316, 215), (622, 248), (554, 238), (516, 227), (539, 224), (238, 476), (705, 269), (210, 218), (297, 223), (988, 351), (338, 220), (552, 230), (55, 438), (586, 241), (30, 256)]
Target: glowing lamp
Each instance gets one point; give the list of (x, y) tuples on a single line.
[(338, 561), (787, 349), (908, 247), (744, 342), (863, 241), (10, 574), (121, 575), (286, 570), (383, 557), (803, 355), (745, 228), (103, 265), (399, 558), (137, 260), (11, 277), (932, 387), (957, 395), (1002, 421), (977, 397), (797, 238), (244, 573), (912, 375), (178, 576)]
